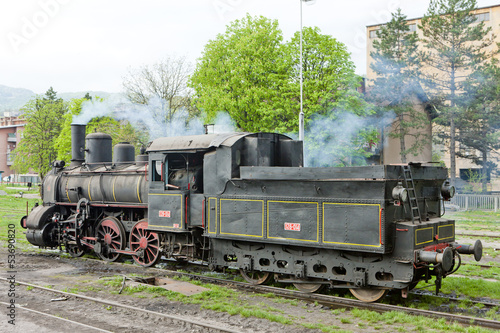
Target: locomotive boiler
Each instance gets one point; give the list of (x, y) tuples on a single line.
[(244, 200)]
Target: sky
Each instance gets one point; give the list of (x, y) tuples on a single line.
[(90, 45)]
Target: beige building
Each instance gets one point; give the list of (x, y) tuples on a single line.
[(491, 18)]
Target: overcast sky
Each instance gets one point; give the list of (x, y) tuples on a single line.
[(82, 45)]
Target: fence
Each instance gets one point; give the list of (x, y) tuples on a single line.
[(476, 202)]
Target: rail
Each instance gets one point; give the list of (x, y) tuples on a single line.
[(475, 202)]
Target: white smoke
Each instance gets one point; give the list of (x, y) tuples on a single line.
[(152, 118), (340, 141), (222, 124)]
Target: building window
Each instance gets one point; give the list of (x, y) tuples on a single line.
[(373, 33), (482, 17), (413, 27)]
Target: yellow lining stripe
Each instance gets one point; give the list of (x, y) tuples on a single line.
[(114, 181), (67, 193), (351, 204), (182, 212), (300, 202), (421, 229), (228, 233), (208, 215), (88, 188), (138, 186), (446, 226)]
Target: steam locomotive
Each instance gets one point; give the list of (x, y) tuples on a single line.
[(243, 200)]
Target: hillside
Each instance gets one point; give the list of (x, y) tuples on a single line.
[(11, 99)]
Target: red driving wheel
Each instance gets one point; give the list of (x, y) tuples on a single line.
[(111, 230), (145, 243)]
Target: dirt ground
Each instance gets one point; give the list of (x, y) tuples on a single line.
[(50, 270)]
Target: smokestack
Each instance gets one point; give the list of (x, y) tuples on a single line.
[(77, 144)]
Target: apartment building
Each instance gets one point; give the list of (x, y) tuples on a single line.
[(11, 127), (491, 18)]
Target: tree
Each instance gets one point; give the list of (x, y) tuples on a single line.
[(480, 122), (455, 46), (397, 85), (253, 75), (163, 85), (242, 72), (328, 77), (43, 116)]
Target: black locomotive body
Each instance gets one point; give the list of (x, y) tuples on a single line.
[(244, 200)]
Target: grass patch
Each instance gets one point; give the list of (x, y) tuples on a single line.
[(324, 328), (412, 323), (477, 271), (216, 298), (12, 209), (473, 288), (476, 218)]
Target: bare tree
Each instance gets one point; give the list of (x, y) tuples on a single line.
[(165, 82)]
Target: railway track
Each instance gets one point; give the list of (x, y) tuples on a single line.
[(70, 324), (479, 236), (180, 321), (327, 300)]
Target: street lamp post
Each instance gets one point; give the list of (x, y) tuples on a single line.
[(301, 115)]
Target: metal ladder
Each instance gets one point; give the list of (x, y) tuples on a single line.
[(412, 195)]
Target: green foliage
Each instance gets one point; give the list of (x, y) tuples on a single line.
[(249, 72), (480, 121), (63, 141), (119, 131), (329, 81), (396, 88), (36, 150), (474, 181), (242, 72)]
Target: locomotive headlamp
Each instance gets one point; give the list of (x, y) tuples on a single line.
[(399, 193), (447, 191)]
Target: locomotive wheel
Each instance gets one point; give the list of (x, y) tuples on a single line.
[(309, 287), (146, 241), (368, 295), (256, 277), (111, 230), (72, 249)]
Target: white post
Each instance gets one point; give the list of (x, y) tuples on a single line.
[(301, 115)]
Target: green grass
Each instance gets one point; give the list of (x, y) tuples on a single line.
[(472, 288), (216, 298), (324, 328), (12, 209), (418, 323), (481, 272), (477, 220)]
